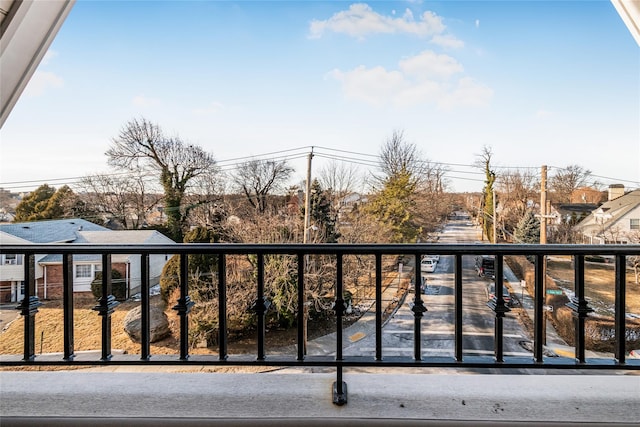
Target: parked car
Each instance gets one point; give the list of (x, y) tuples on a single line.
[(506, 296), (428, 265), (635, 354), (485, 266), (436, 257)]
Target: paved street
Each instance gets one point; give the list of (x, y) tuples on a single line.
[(437, 324)]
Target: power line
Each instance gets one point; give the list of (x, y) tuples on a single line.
[(352, 157), (258, 156)]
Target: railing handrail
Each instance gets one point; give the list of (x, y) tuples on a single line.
[(326, 248), (579, 305)]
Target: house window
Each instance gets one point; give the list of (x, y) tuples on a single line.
[(83, 271), (634, 223), (10, 259), (97, 267)]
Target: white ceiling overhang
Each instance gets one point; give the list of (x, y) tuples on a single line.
[(629, 11), (27, 28)]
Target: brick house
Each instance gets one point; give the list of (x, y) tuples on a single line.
[(85, 267)]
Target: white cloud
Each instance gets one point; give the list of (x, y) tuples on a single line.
[(145, 101), (373, 85), (41, 81), (408, 15), (447, 41), (360, 20), (477, 23), (430, 64), (427, 78)]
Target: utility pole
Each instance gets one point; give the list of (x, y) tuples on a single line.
[(307, 200), (305, 239)]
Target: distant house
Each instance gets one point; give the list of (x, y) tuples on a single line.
[(348, 203), (6, 217), (73, 231), (616, 221), (592, 196), (570, 213)]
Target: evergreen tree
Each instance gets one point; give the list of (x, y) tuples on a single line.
[(46, 203), (321, 213), (528, 229), (394, 207)]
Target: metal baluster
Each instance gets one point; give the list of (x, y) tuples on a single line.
[(339, 387), (580, 308), (29, 307), (67, 305), (418, 308), (302, 310), (105, 307), (222, 307), (184, 305), (145, 332), (378, 306), (621, 303), (260, 307), (539, 320), (459, 338), (499, 308)]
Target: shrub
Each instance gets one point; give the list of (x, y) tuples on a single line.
[(118, 286)]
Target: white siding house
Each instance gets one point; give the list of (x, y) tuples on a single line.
[(142, 237), (616, 221), (85, 267)]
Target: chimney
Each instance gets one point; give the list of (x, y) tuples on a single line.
[(615, 191)]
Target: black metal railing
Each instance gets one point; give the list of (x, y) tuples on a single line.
[(106, 304)]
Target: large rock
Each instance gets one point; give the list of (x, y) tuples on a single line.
[(158, 324)]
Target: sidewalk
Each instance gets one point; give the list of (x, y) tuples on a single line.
[(366, 325)]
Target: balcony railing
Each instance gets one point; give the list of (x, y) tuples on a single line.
[(414, 252)]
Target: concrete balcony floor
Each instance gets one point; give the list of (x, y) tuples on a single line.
[(153, 396)]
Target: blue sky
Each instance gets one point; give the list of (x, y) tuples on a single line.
[(540, 82)]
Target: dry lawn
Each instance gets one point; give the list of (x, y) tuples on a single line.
[(599, 284), (87, 327)]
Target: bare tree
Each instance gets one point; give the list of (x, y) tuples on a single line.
[(634, 261), (567, 180), (122, 198), (339, 178), (488, 215), (399, 157), (257, 179), (516, 190), (142, 144), (433, 177)]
